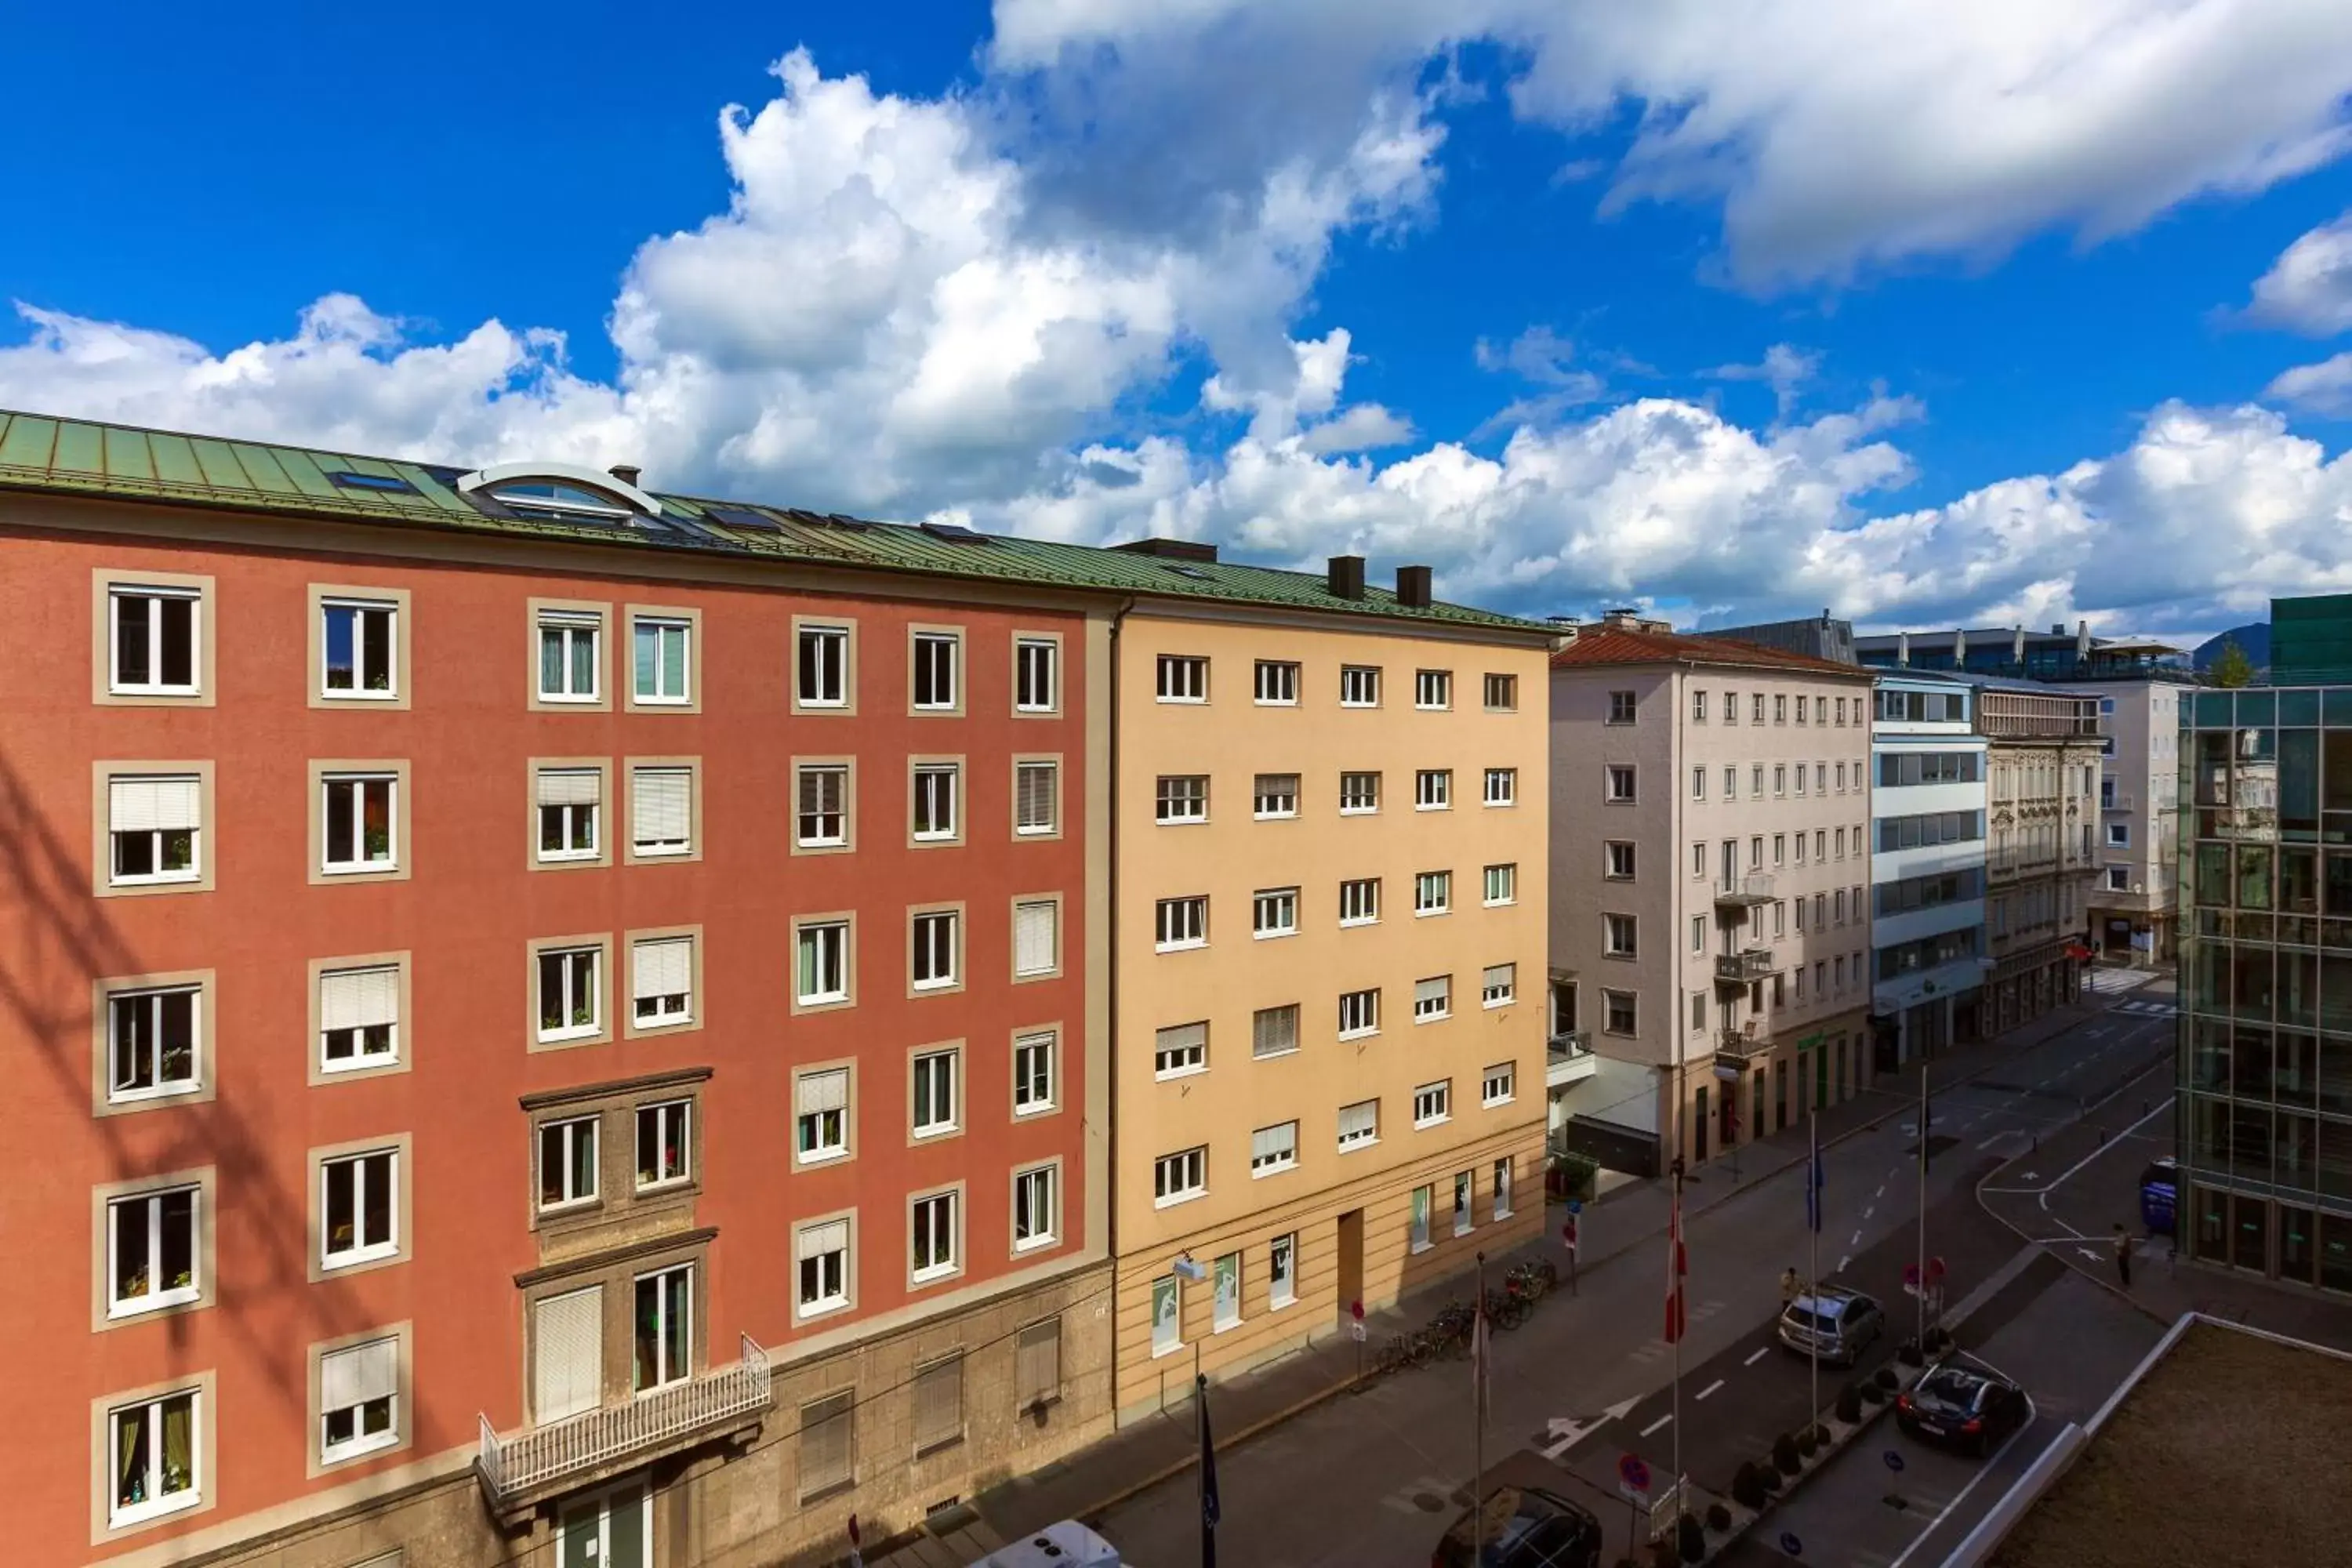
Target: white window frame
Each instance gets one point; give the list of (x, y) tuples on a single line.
[(152, 997), (1026, 909), (663, 629), (362, 1441), (934, 804), (1282, 1272), (1037, 675), (1359, 1014), (359, 784), (826, 1287), (1036, 1189), (568, 1133), (1278, 683), (934, 1093), (826, 826), (1432, 893), (1367, 1132), (1621, 941), (1023, 825), (1180, 1177), (1499, 1085), (362, 1250), (821, 954), (1273, 912), (1179, 924), (116, 594), (1179, 798), (363, 613), (1432, 690), (1360, 901), (664, 1374), (1617, 859), (821, 663), (659, 1114), (567, 818), (1355, 798), (936, 936), (1502, 787), (671, 1007), (1288, 1012), (1433, 789), (569, 961), (1182, 678), (1272, 1156), (1432, 1104), (944, 1225), (1501, 692), (1505, 876), (1359, 685), (568, 627), (1180, 1050), (820, 1134), (640, 779), (938, 656), (194, 871), (1612, 776), (1436, 1005), (1034, 1072), (1493, 993), (157, 1502), (156, 1297), (1274, 804)]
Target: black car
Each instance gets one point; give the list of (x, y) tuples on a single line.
[(1525, 1527), (1962, 1406)]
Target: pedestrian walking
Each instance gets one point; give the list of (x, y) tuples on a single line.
[(2123, 1254), (1788, 1287)]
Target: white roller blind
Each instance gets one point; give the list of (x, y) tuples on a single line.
[(664, 968), (1032, 938), (1273, 1143), (1430, 989), (570, 786), (1035, 781), (662, 805), (822, 1091), (354, 1376), (818, 1240), (568, 1354), (1183, 1037), (359, 998), (151, 805), (1355, 1121), (1504, 975)]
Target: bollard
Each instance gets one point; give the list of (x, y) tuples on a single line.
[(2103, 1137)]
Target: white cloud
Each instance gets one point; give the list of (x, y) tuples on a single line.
[(2309, 287), (1784, 368), (2322, 388)]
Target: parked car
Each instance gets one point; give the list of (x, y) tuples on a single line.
[(1962, 1406), (1525, 1527), (1838, 1323)]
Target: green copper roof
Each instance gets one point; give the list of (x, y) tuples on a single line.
[(39, 453)]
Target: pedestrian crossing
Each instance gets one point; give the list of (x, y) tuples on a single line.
[(1658, 1350), (1426, 1495), (2147, 1007)]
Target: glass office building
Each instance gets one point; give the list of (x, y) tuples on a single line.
[(2265, 1073)]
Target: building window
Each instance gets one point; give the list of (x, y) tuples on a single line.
[(1617, 859), (1277, 684), (1182, 798), (661, 981), (1463, 1220), (661, 811), (1036, 938), (1273, 911), (154, 641), (1697, 706), (1433, 789), (935, 802), (568, 655), (1618, 934), (1179, 1049), (2119, 834), (1359, 685), (1781, 710), (1273, 1031), (1274, 1149), (1359, 1124), (1037, 1365), (1432, 998), (1432, 689), (1621, 707), (822, 818), (1730, 783), (154, 1043), (1502, 693), (152, 1251), (358, 1398), (1432, 893), (567, 1004), (1501, 986), (821, 1115), (1225, 1283), (933, 1078), (152, 824), (1499, 1084), (1360, 794), (1032, 1073), (664, 1144), (1360, 901), (359, 1014), (1183, 677), (570, 801), (828, 1445), (1698, 783), (152, 1451), (1359, 1014), (2119, 878), (1503, 883), (822, 971), (1276, 796), (567, 1354), (1731, 707), (935, 689), (1036, 798), (1036, 687), (1033, 1208), (822, 1253), (1282, 1271), (1502, 787), (1617, 786), (1182, 923), (661, 649), (934, 957), (1417, 1237), (1179, 1177), (662, 1328), (1503, 1186), (358, 822), (824, 673), (359, 1203), (568, 1162), (356, 647), (1698, 933), (1617, 1012)]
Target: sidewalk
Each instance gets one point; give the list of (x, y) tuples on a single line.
[(1142, 1456)]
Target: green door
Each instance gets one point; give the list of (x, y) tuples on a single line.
[(614, 1531)]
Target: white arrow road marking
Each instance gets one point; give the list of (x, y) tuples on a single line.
[(1870, 1211), (1567, 1432), (1880, 1192), (1761, 1351), (1857, 1239), (1711, 1388), (1661, 1421), (2091, 1253), (1842, 1263)]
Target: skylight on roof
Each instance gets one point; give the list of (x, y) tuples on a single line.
[(387, 482), (739, 517), (554, 498), (955, 532), (1191, 572)]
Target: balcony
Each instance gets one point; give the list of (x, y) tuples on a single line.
[(1744, 967), (1569, 1058), (2114, 802), (1743, 892), (1735, 1049), (516, 1469)]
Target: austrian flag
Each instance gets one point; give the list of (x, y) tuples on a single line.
[(1676, 1267)]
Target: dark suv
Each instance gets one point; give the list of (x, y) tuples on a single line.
[(1525, 1527), (1961, 1406)]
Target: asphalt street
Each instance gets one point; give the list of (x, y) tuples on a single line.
[(1371, 1478)]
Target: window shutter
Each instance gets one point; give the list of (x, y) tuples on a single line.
[(815, 795), (570, 786), (1032, 938), (819, 1240), (1271, 1142), (1502, 974), (354, 1376), (359, 998), (939, 1403), (662, 802), (664, 968), (568, 1354), (1429, 990), (1183, 1038), (821, 1091), (1037, 1362), (1037, 795), (1355, 1121), (152, 805), (1274, 1030)]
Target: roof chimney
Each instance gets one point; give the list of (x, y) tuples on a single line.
[(1344, 576), (2082, 639), (626, 472), (1959, 649), (1902, 649), (2017, 643), (1413, 587)]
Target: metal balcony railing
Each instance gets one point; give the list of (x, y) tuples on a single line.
[(1744, 892), (522, 1460), (2115, 803), (1738, 1045), (1567, 1046), (1744, 967)]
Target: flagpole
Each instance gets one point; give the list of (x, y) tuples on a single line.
[(1923, 1208), (1675, 1263), (1206, 1473), (1813, 1265), (1484, 1344)]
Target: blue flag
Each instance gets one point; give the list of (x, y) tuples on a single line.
[(1814, 1180)]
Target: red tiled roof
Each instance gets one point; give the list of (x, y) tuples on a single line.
[(1613, 645)]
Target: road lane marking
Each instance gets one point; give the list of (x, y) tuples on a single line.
[(1880, 1192), (1711, 1388), (1761, 1351), (1857, 1239), (2107, 1147), (1870, 1211), (1661, 1421), (1842, 1263)]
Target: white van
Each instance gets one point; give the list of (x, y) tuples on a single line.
[(1064, 1546)]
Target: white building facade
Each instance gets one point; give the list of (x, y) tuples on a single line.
[(1927, 866)]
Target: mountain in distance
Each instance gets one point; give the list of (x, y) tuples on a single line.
[(2253, 639)]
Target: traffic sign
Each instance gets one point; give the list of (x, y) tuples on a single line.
[(1356, 1330), (1633, 1473), (1911, 1276), (1576, 1206), (1356, 1309), (1567, 1236), (1895, 1461), (1790, 1545), (1935, 1269)]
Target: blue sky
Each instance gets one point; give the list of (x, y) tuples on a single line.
[(1914, 315)]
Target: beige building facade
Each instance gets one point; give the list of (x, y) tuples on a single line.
[(2135, 901), (1709, 920), (2043, 852), (1330, 961)]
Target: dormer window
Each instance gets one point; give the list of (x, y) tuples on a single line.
[(571, 493), (553, 498)]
